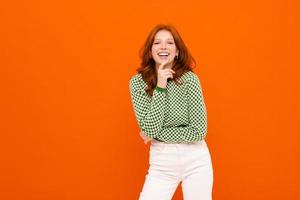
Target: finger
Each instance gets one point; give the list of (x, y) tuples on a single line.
[(147, 140), (142, 133), (168, 75), (161, 66), (143, 136), (164, 63), (169, 70)]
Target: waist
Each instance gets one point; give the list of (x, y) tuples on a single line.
[(158, 142)]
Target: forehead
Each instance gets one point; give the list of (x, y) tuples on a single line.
[(163, 34)]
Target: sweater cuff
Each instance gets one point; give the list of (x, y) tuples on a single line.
[(160, 89)]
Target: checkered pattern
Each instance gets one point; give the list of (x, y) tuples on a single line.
[(175, 115)]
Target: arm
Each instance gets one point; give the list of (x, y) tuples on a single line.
[(197, 128), (149, 111)]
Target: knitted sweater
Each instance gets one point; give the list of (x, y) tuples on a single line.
[(175, 114)]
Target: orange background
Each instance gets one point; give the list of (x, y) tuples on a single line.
[(68, 129)]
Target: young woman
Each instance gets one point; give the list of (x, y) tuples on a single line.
[(170, 110)]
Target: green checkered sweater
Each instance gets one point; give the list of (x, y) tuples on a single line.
[(175, 114)]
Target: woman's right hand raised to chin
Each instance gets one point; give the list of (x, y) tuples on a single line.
[(164, 74)]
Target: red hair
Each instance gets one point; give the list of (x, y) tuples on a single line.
[(182, 64)]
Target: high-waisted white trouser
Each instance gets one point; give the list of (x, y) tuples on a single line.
[(172, 163)]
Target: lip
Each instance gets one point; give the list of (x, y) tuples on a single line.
[(165, 52), (164, 57)]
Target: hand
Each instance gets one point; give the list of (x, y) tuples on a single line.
[(145, 137), (164, 74)]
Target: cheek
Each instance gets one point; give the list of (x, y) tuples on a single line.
[(153, 52), (154, 49), (174, 50)]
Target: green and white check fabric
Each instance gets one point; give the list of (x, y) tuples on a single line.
[(176, 114)]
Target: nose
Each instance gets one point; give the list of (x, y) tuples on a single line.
[(163, 45)]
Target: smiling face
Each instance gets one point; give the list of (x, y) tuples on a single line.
[(164, 48)]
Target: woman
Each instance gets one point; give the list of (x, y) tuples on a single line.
[(169, 107)]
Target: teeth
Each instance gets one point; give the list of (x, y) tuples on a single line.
[(163, 54)]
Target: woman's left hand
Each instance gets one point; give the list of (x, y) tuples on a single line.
[(145, 137)]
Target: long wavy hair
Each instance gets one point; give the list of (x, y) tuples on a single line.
[(183, 63)]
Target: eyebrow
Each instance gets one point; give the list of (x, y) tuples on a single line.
[(167, 39)]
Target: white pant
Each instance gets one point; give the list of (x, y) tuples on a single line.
[(172, 163)]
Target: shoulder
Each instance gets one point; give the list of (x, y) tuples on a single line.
[(189, 77), (136, 82)]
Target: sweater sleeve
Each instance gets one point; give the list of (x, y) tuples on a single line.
[(197, 128), (149, 111)]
